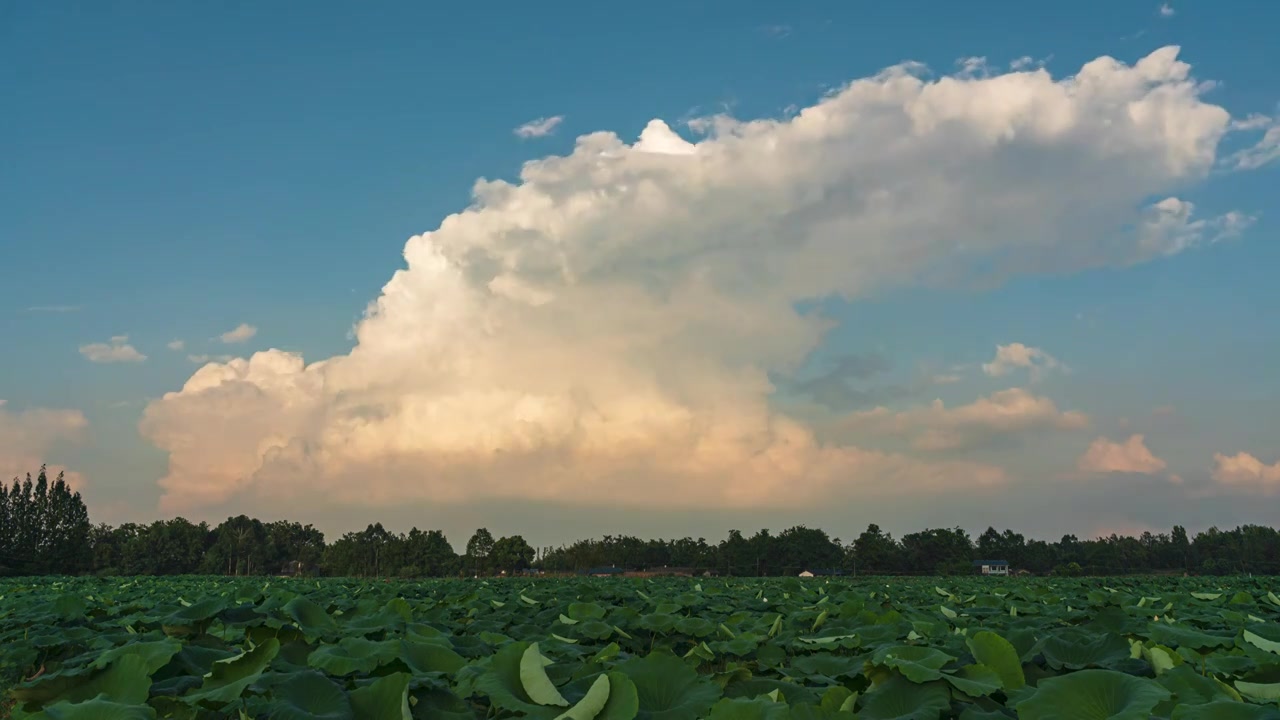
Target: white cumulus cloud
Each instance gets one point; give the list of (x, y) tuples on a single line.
[(116, 351), (541, 127), (240, 333), (604, 329), (1244, 471), (1131, 456)]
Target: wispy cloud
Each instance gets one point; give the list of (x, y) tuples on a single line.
[(1166, 10), (176, 345), (241, 333), (1016, 355), (202, 359), (779, 31), (541, 127), (118, 350), (53, 308)]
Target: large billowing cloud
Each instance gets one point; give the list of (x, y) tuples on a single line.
[(27, 436), (604, 329)]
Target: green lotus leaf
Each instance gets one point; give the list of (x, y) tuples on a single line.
[(1256, 636), (98, 708), (1261, 692), (354, 655), (309, 695), (126, 680), (1076, 649), (591, 704), (808, 711), (839, 698), (900, 699), (748, 709), (918, 663), (828, 664), (1225, 710), (441, 704), (1182, 636), (586, 611), (1093, 695), (1189, 687), (995, 652), (975, 680), (387, 698), (155, 654), (230, 677), (312, 619), (668, 689), (533, 677), (502, 683), (624, 700), (426, 657)]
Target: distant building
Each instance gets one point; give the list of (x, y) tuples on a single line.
[(822, 572), (992, 567), (604, 571)]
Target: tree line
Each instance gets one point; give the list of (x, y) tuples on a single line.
[(45, 529)]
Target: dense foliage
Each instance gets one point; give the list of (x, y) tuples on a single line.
[(615, 649), (44, 528)]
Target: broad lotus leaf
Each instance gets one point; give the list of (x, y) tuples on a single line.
[(1263, 637), (195, 613), (591, 703), (1189, 687), (354, 655), (441, 704), (1182, 636), (502, 684), (756, 686), (1225, 710), (760, 708), (1075, 649), (838, 697), (807, 711), (695, 627), (668, 689), (585, 611), (311, 619), (974, 713), (623, 702), (427, 657), (1259, 692), (99, 708), (309, 695), (387, 698), (917, 663), (155, 654), (230, 677), (901, 699), (974, 680), (1093, 695), (828, 664), (995, 652)]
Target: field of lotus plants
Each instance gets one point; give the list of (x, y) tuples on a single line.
[(615, 649)]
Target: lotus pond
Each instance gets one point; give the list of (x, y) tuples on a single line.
[(614, 649)]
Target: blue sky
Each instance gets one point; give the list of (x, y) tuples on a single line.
[(173, 171)]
